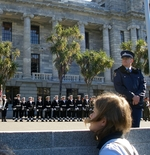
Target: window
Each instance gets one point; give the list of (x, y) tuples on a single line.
[(35, 32), (35, 63), (11, 92), (137, 33), (97, 92), (7, 31), (102, 5), (73, 92), (86, 40), (146, 39), (122, 36), (41, 91)]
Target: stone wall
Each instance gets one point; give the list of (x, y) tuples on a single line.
[(67, 142)]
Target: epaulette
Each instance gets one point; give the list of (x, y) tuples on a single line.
[(116, 69), (135, 70)]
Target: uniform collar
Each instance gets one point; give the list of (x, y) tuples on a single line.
[(114, 135), (123, 70)]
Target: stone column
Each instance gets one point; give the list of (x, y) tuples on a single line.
[(82, 31), (1, 12), (54, 22), (106, 48), (133, 33), (115, 47), (27, 46)]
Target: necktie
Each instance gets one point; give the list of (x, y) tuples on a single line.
[(129, 70)]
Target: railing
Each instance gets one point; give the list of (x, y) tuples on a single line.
[(42, 76), (67, 78), (98, 79), (18, 75), (73, 78)]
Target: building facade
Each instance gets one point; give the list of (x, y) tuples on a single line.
[(105, 24)]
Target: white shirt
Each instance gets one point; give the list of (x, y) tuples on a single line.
[(113, 148)]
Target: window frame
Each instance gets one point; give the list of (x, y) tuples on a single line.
[(7, 34)]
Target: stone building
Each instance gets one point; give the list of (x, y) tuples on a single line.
[(103, 23)]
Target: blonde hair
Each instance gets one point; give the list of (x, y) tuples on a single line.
[(117, 112)]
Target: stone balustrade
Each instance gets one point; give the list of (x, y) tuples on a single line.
[(73, 78), (41, 76), (99, 79), (67, 78)]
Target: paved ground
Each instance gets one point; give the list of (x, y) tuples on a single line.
[(12, 126)]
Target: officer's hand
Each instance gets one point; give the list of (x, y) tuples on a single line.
[(135, 99)]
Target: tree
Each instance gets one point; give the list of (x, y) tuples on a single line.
[(65, 46), (8, 66), (141, 54), (93, 63)]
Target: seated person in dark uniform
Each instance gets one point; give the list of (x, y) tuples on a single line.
[(71, 108), (56, 108), (47, 108), (79, 108), (39, 107), (63, 107), (30, 109), (86, 106)]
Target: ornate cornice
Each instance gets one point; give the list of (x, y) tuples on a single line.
[(55, 19), (85, 9), (28, 15), (105, 26), (133, 27), (81, 23)]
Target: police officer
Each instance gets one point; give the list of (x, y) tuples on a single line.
[(47, 108), (4, 108), (129, 82)]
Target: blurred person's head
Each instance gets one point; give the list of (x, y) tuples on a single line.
[(111, 114)]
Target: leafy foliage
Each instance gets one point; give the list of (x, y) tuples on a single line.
[(8, 66), (93, 63), (65, 45)]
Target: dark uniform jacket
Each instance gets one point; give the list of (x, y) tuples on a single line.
[(79, 104), (24, 105), (63, 104), (17, 104), (39, 105), (56, 105), (47, 105), (4, 104), (86, 104), (30, 105), (129, 84), (71, 105)]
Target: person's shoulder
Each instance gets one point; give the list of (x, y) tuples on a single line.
[(121, 68), (136, 70)]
